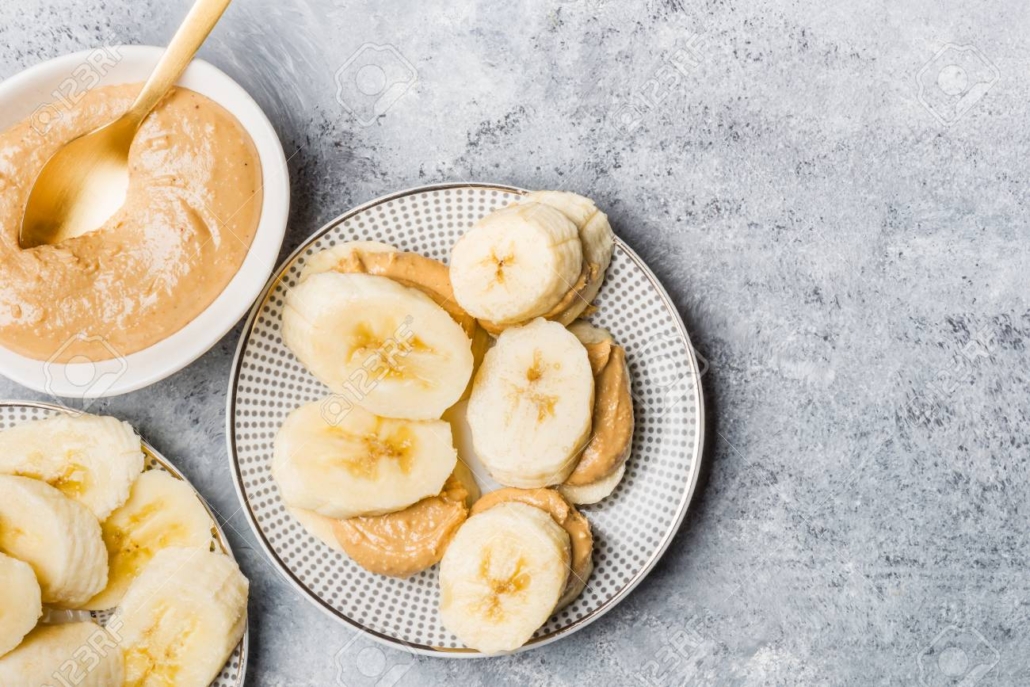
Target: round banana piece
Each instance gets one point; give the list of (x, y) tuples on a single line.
[(21, 602), (598, 239), (182, 618), (595, 491), (336, 258), (357, 463), (568, 518), (429, 276), (531, 405), (516, 263), (161, 512), (89, 458), (377, 344), (502, 577), (80, 654), (58, 537)]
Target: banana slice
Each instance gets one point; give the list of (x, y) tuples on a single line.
[(162, 511), (595, 491), (531, 405), (21, 602), (361, 465), (379, 345), (59, 538), (339, 257), (568, 518), (91, 459), (597, 237), (80, 654), (429, 276), (516, 263), (181, 618), (502, 576)]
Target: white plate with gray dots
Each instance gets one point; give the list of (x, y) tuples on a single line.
[(14, 413), (632, 527)]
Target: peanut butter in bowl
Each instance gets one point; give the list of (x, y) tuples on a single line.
[(190, 215)]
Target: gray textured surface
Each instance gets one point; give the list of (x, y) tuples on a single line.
[(856, 273)]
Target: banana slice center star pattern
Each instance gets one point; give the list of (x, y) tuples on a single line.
[(381, 444), (505, 579)]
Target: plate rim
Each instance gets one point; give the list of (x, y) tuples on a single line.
[(393, 642), (170, 466)]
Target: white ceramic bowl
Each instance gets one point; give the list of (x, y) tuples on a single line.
[(28, 94)]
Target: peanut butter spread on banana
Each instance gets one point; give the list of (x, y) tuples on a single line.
[(190, 214), (570, 519), (612, 436), (403, 543)]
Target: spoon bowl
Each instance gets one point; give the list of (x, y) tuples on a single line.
[(85, 182), (80, 187)]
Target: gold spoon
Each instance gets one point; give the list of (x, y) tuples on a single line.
[(86, 180)]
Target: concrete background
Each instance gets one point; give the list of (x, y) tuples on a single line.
[(848, 250)]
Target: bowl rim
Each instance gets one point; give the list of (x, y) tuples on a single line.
[(196, 337), (436, 652)]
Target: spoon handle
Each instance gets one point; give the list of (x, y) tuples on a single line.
[(187, 40)]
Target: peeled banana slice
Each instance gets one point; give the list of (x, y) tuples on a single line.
[(358, 463), (338, 258), (502, 576), (531, 405), (581, 563), (516, 263), (378, 345), (80, 654), (91, 459), (597, 237), (181, 618), (161, 512), (21, 602), (429, 276), (595, 491), (58, 537)]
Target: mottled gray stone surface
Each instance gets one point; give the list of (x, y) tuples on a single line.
[(855, 271)]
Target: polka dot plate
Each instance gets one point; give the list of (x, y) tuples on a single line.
[(14, 413), (632, 527)]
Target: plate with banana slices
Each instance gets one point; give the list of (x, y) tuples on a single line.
[(113, 570), (466, 419)]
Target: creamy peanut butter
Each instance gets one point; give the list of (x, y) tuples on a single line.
[(191, 212), (570, 519), (612, 437), (403, 543)]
